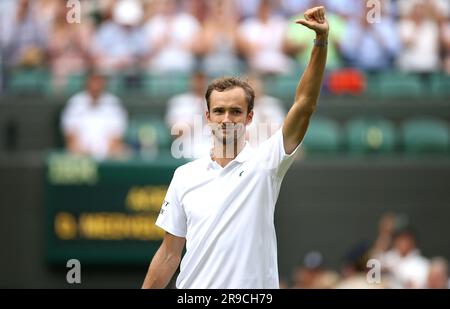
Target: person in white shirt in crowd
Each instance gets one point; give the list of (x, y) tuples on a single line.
[(218, 39), (261, 41), (419, 33), (438, 277), (369, 45), (23, 35), (119, 44), (186, 118), (222, 206), (171, 36), (68, 47), (404, 264), (94, 121), (268, 114)]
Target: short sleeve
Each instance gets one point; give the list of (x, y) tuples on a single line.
[(275, 156), (172, 217), (69, 123), (118, 118)]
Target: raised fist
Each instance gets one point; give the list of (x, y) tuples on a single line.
[(315, 19)]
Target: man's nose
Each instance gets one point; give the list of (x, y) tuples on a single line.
[(227, 118)]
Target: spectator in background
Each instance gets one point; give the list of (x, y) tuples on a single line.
[(297, 43), (370, 46), (119, 44), (68, 47), (198, 9), (438, 274), (218, 39), (268, 114), (312, 274), (386, 229), (419, 33), (24, 36), (171, 36), (94, 121), (261, 41), (186, 118), (354, 270), (404, 264), (47, 9), (439, 8)]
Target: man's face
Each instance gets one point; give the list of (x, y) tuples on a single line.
[(96, 85), (404, 244), (228, 115)]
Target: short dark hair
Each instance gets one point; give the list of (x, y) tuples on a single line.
[(93, 73), (408, 231), (228, 83)]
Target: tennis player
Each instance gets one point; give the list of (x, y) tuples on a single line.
[(222, 206)]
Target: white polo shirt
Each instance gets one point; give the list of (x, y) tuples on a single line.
[(94, 124), (227, 217)]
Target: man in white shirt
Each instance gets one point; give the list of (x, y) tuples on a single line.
[(405, 266), (94, 121), (223, 206)]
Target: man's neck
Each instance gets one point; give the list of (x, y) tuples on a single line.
[(226, 153), (94, 97)]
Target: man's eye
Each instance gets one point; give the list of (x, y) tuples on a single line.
[(237, 112)]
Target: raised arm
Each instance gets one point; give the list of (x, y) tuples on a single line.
[(164, 263), (308, 89)]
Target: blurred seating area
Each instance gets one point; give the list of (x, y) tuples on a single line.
[(372, 135)]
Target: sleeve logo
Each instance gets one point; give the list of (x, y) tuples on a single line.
[(164, 206)]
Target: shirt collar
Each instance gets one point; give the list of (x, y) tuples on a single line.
[(243, 156), (245, 153)]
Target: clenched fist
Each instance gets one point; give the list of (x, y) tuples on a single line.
[(315, 19)]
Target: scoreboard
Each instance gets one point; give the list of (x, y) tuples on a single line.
[(104, 211)]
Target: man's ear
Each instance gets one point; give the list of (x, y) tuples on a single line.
[(249, 118), (207, 116)]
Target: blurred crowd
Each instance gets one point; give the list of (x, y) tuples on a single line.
[(393, 260), (220, 36)]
